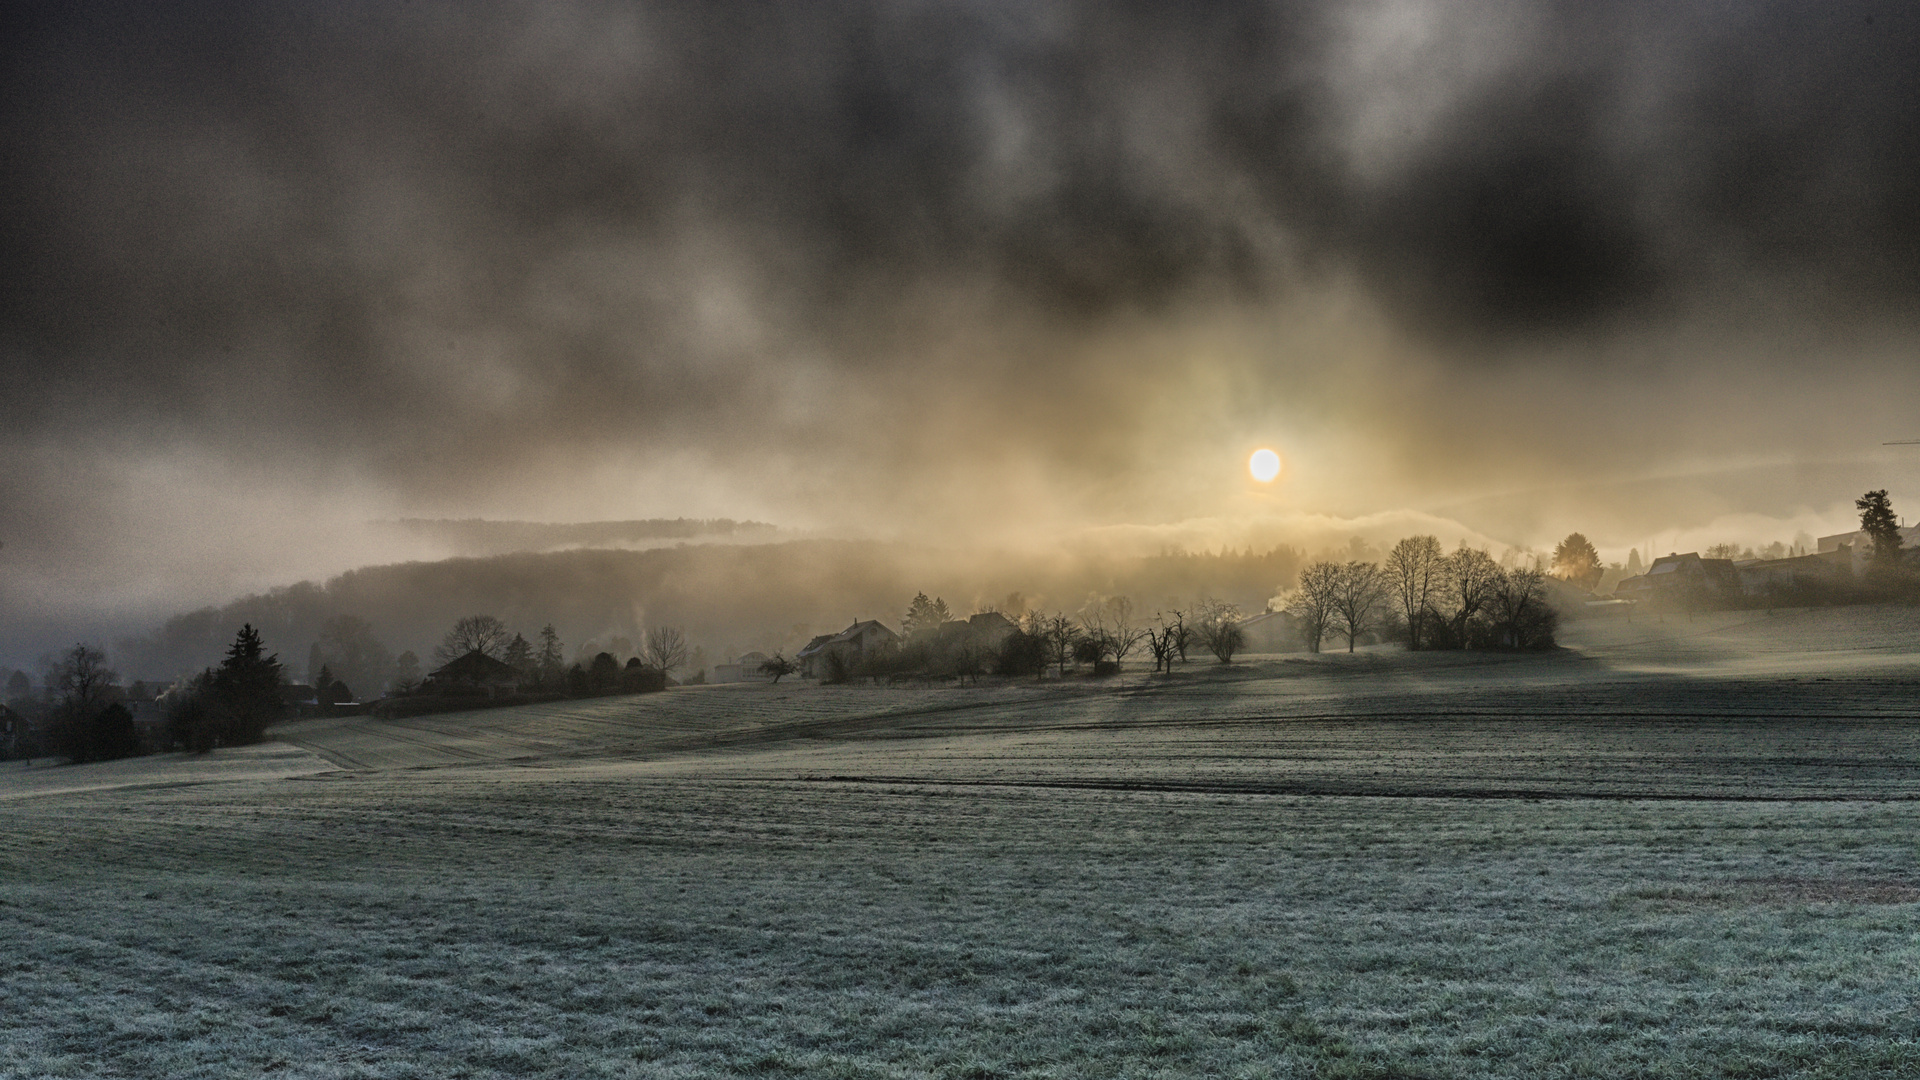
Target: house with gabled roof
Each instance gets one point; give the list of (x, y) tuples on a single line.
[(474, 671), (855, 645), (1673, 575)]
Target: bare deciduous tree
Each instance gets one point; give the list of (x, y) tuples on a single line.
[(1517, 602), (1160, 644), (1312, 601), (1358, 592), (1468, 577), (1217, 625), (1413, 575), (474, 632), (1110, 626), (665, 649), (81, 677), (778, 666), (1061, 634)]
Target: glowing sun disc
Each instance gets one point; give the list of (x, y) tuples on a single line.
[(1265, 465)]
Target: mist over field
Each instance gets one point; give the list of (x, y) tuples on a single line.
[(412, 415), (992, 275)]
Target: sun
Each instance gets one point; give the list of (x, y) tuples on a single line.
[(1264, 465)]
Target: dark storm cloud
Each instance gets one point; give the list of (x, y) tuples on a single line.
[(451, 250), (197, 182)]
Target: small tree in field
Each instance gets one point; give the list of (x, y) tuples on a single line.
[(1217, 625), (1182, 632), (1061, 634), (1358, 591), (1160, 645), (778, 667)]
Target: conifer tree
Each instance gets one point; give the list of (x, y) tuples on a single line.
[(246, 686)]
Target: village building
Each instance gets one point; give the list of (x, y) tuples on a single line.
[(1856, 548), (744, 669), (474, 672), (854, 646), (1764, 577), (1682, 576)]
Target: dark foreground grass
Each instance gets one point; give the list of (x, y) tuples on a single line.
[(571, 924)]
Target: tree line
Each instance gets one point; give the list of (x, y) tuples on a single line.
[(1432, 598)]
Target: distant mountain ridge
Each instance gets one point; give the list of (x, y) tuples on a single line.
[(480, 536)]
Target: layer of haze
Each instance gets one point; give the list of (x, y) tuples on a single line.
[(1002, 272)]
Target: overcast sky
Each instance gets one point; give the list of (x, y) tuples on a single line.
[(1006, 271)]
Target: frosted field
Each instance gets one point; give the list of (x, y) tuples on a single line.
[(1677, 849)]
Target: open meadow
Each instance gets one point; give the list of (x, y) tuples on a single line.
[(1674, 848)]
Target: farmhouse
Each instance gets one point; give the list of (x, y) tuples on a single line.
[(474, 671), (745, 669), (984, 632), (1759, 577), (1856, 548), (15, 733), (853, 646), (1675, 576)]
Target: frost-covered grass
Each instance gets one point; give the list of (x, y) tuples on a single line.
[(594, 923), (1601, 863)]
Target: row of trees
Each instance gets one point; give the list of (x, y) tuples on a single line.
[(1099, 637), (1438, 600), (88, 718)]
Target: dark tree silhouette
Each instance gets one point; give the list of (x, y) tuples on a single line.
[(778, 667), (348, 648), (924, 616), (1413, 576), (519, 656), (328, 690), (246, 689), (482, 632), (666, 649), (406, 672), (1358, 592), (1877, 520), (604, 674), (1576, 560), (1312, 602), (550, 662)]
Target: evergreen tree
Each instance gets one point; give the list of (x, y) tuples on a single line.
[(924, 616), (519, 656), (1877, 520), (246, 687), (1575, 560), (406, 671), (328, 690), (552, 659)]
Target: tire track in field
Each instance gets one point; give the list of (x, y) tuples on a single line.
[(1334, 790)]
